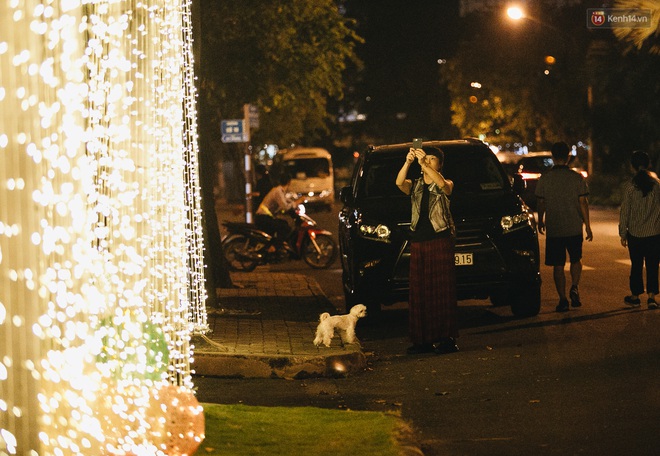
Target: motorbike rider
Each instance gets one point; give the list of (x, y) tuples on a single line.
[(274, 203)]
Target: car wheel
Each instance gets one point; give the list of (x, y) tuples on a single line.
[(526, 300), (500, 298)]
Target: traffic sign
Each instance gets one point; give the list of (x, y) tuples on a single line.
[(234, 138), (251, 112), (233, 131)]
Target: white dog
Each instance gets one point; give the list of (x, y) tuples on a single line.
[(344, 323)]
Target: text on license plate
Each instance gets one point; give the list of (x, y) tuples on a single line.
[(463, 259)]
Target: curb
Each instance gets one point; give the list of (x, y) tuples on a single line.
[(285, 367)]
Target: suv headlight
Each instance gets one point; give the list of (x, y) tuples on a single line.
[(514, 222), (375, 232)]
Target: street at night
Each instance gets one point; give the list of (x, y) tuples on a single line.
[(583, 382)]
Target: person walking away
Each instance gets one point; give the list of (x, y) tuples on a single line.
[(639, 229), (273, 204), (262, 185), (563, 209), (432, 304)]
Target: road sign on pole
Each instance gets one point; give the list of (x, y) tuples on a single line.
[(251, 113), (234, 131)]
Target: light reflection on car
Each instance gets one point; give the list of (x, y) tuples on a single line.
[(531, 167)]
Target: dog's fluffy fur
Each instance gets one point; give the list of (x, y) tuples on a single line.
[(344, 323)]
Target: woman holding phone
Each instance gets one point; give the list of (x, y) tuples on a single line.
[(432, 304)]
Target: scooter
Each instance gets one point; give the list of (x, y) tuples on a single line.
[(246, 246)]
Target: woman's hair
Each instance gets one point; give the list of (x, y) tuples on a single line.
[(642, 180), (436, 152)]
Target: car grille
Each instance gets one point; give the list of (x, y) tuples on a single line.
[(471, 236)]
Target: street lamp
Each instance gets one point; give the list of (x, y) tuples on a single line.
[(515, 12)]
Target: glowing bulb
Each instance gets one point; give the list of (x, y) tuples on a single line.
[(515, 12)]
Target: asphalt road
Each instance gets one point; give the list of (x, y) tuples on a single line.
[(584, 382)]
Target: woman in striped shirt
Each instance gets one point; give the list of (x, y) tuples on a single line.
[(639, 229)]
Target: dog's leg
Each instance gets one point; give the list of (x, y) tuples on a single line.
[(350, 335)]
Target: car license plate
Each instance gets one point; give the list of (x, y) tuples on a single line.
[(463, 259)]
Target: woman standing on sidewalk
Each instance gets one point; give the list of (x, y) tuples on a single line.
[(639, 229), (432, 305)]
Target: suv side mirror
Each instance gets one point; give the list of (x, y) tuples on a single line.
[(519, 185), (346, 195)]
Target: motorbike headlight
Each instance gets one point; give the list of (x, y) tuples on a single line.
[(514, 222), (376, 232)]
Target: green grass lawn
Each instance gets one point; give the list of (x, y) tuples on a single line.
[(244, 430)]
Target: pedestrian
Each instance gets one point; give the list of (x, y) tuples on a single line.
[(563, 209), (432, 304), (275, 203), (262, 185), (639, 229)]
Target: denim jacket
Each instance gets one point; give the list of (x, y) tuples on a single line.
[(439, 213)]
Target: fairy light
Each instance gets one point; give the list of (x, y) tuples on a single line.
[(194, 231), (101, 265)]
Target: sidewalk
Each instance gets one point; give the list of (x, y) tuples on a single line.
[(265, 328)]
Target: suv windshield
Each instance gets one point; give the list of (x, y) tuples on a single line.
[(470, 169)]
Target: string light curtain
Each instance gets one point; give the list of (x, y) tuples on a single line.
[(194, 231), (100, 244)]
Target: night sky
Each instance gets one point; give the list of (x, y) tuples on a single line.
[(403, 42)]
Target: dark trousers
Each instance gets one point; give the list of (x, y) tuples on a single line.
[(432, 305), (276, 227), (644, 250)]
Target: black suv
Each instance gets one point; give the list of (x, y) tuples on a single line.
[(497, 248)]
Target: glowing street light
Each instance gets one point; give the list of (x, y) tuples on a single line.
[(515, 12)]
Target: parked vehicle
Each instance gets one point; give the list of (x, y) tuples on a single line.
[(497, 249), (531, 167), (246, 246), (311, 173)]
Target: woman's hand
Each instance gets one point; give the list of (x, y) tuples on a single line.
[(411, 156), (421, 155)]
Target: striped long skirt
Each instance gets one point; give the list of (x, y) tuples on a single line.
[(432, 305)]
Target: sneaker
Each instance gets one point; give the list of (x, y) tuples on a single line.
[(562, 306), (652, 304), (575, 297), (632, 302), (418, 349), (445, 346)]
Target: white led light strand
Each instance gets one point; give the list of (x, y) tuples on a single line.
[(194, 231)]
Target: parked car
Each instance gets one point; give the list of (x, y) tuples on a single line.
[(312, 175), (530, 167), (497, 249)]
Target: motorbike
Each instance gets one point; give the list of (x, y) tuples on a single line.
[(246, 246)]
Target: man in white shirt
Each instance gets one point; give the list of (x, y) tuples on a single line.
[(273, 204)]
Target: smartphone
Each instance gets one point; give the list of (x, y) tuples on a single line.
[(417, 143)]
